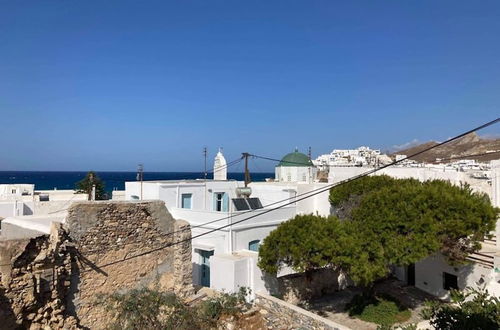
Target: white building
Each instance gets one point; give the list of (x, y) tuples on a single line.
[(21, 206), (433, 274), (210, 204), (362, 156), (296, 167)]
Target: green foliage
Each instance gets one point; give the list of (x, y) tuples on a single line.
[(224, 304), (384, 311), (150, 309), (383, 221), (411, 326), (473, 309), (85, 186), (340, 194), (305, 243), (413, 219), (147, 309)]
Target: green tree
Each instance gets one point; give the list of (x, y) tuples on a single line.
[(472, 310), (381, 222), (85, 186), (413, 219), (310, 242), (305, 243)]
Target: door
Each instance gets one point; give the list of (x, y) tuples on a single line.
[(205, 267), (410, 273)]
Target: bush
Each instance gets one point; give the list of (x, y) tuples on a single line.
[(384, 310), (147, 309), (224, 304), (150, 309), (472, 309)]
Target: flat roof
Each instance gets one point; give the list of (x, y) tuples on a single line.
[(39, 223), (184, 181)]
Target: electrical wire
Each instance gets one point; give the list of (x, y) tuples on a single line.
[(318, 191)]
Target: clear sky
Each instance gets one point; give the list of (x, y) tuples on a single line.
[(105, 85)]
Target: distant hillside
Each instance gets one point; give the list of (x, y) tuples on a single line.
[(467, 145)]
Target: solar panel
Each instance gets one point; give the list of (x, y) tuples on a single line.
[(240, 204), (254, 203)]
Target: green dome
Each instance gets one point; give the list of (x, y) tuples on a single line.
[(296, 159)]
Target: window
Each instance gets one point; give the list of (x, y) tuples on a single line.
[(186, 201), (450, 281), (221, 202), (14, 191), (254, 245)]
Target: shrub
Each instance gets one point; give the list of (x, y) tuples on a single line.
[(224, 304), (147, 309), (472, 309), (384, 310), (150, 309)]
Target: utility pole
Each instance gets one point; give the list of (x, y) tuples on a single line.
[(247, 173), (205, 155), (140, 175)]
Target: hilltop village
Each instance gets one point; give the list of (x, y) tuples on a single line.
[(54, 242)]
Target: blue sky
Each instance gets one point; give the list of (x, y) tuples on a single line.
[(105, 85)]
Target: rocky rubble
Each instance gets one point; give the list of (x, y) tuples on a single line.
[(35, 278)]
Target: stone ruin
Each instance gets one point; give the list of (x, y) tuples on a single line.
[(54, 281)]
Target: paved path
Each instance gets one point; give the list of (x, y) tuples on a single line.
[(333, 306)]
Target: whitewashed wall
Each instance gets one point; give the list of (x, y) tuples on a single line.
[(429, 276)]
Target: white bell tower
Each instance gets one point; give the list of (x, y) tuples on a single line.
[(220, 168)]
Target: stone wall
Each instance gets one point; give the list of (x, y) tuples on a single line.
[(123, 245), (103, 247), (282, 315), (300, 287), (35, 281)]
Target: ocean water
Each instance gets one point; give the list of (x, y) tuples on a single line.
[(112, 180)]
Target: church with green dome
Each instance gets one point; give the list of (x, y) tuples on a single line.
[(296, 167)]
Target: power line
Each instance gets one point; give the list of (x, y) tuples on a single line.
[(323, 189), (231, 163), (318, 191), (328, 187), (281, 160)]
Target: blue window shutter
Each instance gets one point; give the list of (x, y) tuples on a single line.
[(225, 202)]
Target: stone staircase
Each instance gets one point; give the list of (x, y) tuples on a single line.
[(486, 255)]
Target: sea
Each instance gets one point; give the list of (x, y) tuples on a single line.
[(112, 180)]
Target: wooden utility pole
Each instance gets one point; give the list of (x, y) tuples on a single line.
[(247, 172)]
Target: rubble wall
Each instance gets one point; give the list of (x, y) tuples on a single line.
[(114, 241), (35, 281), (103, 248)]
